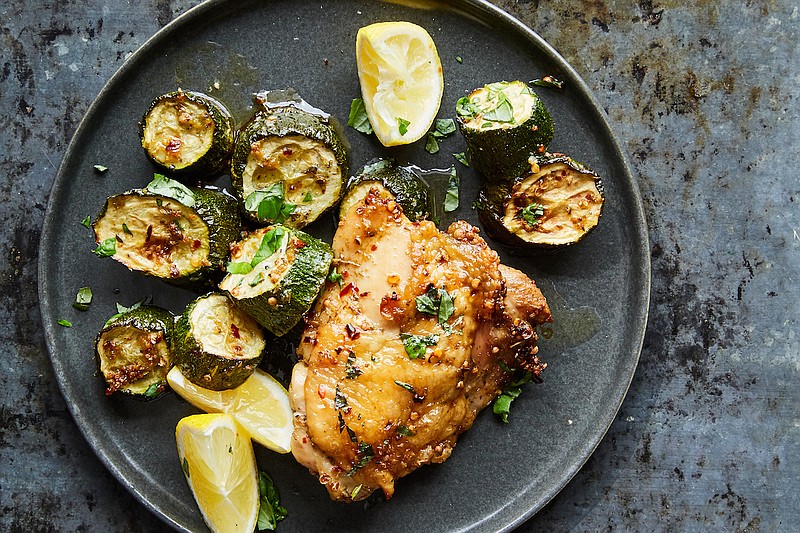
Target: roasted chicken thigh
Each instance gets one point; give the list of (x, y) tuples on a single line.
[(398, 358)]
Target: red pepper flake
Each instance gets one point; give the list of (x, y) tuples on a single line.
[(321, 392), (287, 151), (352, 333), (149, 233), (346, 290), (235, 331), (174, 145), (196, 244), (299, 244)]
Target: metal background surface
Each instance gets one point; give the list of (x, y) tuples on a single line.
[(703, 96)]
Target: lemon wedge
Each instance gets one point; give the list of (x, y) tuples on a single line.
[(260, 405), (401, 80), (220, 466)]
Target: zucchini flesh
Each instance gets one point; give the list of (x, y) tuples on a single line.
[(503, 124), (218, 346), (390, 181), (280, 288), (557, 203), (188, 134), (297, 149), (164, 238), (133, 352)]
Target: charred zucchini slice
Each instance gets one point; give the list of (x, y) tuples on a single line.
[(217, 345), (275, 274), (178, 234), (555, 204), (134, 352), (503, 123), (391, 181), (188, 134), (290, 163)]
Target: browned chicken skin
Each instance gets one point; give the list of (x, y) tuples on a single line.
[(366, 413)]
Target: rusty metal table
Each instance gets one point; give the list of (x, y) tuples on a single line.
[(703, 96)]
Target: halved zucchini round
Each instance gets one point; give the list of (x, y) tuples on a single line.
[(294, 153), (185, 245), (555, 204), (391, 181), (275, 275), (134, 352), (503, 123), (217, 345), (188, 134)]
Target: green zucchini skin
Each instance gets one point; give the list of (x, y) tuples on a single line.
[(408, 189), (290, 121), (217, 209), (502, 154), (150, 320), (495, 199), (216, 158), (203, 368), (282, 307)]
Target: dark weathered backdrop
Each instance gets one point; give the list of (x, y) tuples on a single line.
[(703, 95)]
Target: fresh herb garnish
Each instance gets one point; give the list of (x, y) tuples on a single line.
[(64, 323), (358, 118), (549, 82), (446, 307), (126, 229), (339, 400), (308, 197), (87, 221), (449, 329), (502, 404), (100, 169), (152, 391), (404, 431), (416, 345), (256, 280), (335, 277), (503, 111), (270, 204), (402, 125), (171, 189), (270, 511), (437, 302), (465, 108), (443, 127), (451, 195), (431, 143), (107, 248), (351, 371), (366, 453), (459, 60), (406, 386), (239, 267), (83, 299), (532, 213), (121, 310), (461, 158), (271, 242)]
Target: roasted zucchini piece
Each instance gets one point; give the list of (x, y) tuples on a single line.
[(503, 123), (176, 233), (188, 134), (555, 204), (275, 275), (217, 345), (134, 351), (288, 166), (391, 181)]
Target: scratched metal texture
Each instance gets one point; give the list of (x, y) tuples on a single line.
[(703, 95)]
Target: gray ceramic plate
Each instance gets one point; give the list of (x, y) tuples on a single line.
[(499, 474)]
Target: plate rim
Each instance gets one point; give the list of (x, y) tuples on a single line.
[(520, 510)]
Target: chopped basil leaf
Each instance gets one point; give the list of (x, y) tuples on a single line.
[(271, 242), (351, 371), (339, 400), (87, 221), (121, 310), (431, 144), (171, 189), (239, 268), (404, 431), (416, 345), (107, 248), (532, 213), (549, 81), (270, 204), (335, 277), (358, 118), (126, 229), (503, 112), (449, 329), (458, 59), (402, 125), (451, 195), (256, 280), (406, 386), (100, 169), (446, 307), (185, 466), (461, 158), (308, 197), (502, 404), (444, 127), (465, 108), (356, 491), (65, 323), (437, 302), (83, 299), (504, 367), (270, 511), (366, 454), (159, 202), (152, 391)]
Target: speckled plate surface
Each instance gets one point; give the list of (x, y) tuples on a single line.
[(599, 290)]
